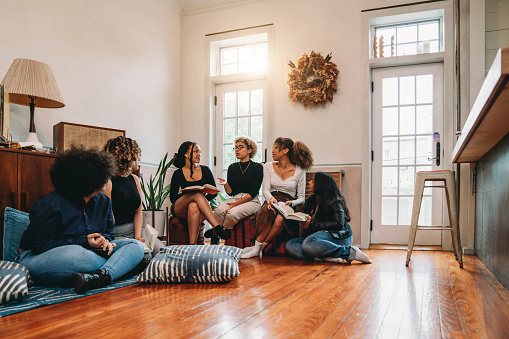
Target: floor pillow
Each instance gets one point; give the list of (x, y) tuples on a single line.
[(14, 281), (15, 224), (193, 264)]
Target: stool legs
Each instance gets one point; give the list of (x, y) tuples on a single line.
[(418, 191), (450, 191), (453, 217)]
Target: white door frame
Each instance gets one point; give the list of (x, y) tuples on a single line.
[(397, 233), (367, 64)]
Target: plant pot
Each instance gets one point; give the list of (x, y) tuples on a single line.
[(160, 218)]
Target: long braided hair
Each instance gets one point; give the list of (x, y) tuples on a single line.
[(180, 156)]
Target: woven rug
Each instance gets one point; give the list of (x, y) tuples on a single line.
[(43, 296)]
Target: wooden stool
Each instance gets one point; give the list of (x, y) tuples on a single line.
[(178, 233), (447, 177), (243, 233)]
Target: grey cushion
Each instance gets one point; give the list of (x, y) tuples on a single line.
[(14, 281), (15, 223), (193, 264)]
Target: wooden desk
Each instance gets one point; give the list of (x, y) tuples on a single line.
[(488, 121)]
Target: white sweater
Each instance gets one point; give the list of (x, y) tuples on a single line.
[(294, 186)]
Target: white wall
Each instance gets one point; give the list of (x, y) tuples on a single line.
[(117, 63), (497, 28), (332, 132)]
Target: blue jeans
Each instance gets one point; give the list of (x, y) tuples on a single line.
[(320, 244), (57, 266)]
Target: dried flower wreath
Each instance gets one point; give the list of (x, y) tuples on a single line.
[(314, 80)]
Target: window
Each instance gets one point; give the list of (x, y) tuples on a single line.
[(238, 71), (239, 55), (239, 113), (247, 58)]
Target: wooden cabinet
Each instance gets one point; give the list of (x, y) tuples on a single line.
[(24, 178)]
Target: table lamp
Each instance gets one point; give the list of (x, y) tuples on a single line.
[(31, 83)]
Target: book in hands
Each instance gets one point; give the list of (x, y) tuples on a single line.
[(288, 213), (207, 188)]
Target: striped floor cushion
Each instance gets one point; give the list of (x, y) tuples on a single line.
[(193, 264), (14, 281)]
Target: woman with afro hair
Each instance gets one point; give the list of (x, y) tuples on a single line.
[(70, 235)]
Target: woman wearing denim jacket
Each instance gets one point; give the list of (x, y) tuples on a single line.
[(329, 236)]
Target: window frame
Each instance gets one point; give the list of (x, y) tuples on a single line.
[(213, 44)]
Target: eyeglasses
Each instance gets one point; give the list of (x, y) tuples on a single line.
[(239, 147)]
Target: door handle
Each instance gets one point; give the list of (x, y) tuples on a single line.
[(437, 157)]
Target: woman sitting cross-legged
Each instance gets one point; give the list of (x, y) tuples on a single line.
[(124, 190), (70, 235), (283, 180), (329, 236), (243, 183), (192, 205)]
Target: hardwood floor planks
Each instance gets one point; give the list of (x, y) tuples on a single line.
[(478, 318), (450, 325), (283, 297)]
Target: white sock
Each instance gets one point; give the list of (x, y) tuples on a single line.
[(248, 249), (335, 260), (361, 256), (253, 252)]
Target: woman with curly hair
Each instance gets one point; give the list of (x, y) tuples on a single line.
[(124, 189), (70, 235), (192, 205), (283, 180), (328, 234), (244, 179)]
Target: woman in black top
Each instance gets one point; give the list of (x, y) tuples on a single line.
[(244, 179), (192, 205), (124, 189), (329, 236)]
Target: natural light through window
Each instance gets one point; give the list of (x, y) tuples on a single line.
[(247, 58), (407, 39)]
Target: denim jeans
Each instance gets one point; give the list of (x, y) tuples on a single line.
[(57, 266), (320, 244)]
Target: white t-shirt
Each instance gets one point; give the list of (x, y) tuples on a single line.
[(294, 185)]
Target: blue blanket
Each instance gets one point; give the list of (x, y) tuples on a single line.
[(42, 296)]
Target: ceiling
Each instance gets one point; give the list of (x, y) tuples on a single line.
[(189, 7)]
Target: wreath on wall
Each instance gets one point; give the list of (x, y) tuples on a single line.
[(313, 81)]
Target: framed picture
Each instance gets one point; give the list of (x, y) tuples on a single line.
[(5, 114)]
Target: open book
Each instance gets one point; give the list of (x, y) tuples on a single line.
[(150, 236), (205, 189), (288, 213)]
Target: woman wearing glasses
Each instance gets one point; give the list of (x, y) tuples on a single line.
[(243, 182), (283, 180)]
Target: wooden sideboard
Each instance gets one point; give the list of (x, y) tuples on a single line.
[(24, 178)]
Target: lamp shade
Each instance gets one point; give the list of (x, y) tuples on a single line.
[(29, 78)]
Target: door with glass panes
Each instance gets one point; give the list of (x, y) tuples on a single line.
[(240, 111), (407, 127)]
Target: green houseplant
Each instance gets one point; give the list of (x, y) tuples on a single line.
[(155, 192)]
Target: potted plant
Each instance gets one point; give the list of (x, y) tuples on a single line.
[(155, 193)]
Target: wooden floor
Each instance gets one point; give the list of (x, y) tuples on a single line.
[(280, 297)]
